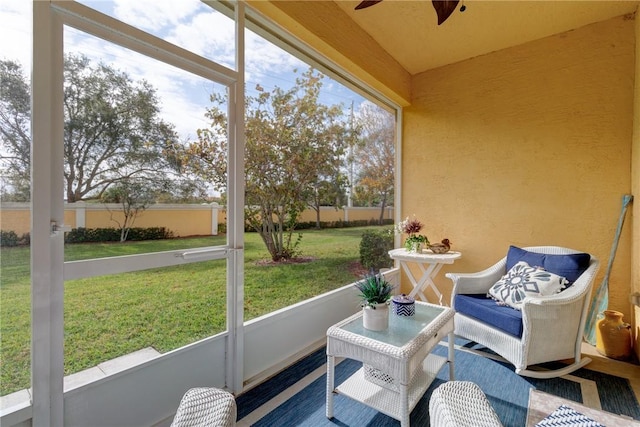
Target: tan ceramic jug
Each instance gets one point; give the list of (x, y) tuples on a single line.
[(613, 336)]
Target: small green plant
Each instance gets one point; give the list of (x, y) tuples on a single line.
[(411, 241), (8, 238), (374, 289)]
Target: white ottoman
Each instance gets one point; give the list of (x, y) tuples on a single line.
[(461, 404)]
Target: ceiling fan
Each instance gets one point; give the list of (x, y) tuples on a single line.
[(444, 8)]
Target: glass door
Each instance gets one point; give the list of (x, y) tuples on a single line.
[(128, 256)]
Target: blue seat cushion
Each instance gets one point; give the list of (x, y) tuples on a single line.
[(570, 266), (486, 310)]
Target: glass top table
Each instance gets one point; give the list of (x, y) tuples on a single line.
[(397, 364), (402, 329)]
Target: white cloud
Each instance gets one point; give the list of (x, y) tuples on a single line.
[(15, 21), (154, 16), (209, 34), (264, 58), (183, 96)]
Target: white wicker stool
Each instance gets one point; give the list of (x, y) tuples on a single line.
[(206, 407), (461, 404)]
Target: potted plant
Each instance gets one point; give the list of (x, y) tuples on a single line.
[(375, 293), (414, 242)]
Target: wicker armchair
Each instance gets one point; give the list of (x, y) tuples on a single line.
[(461, 404), (551, 326), (206, 407)]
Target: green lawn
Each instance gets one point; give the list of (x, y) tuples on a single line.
[(166, 308)]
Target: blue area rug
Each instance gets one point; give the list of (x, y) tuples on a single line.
[(507, 392)]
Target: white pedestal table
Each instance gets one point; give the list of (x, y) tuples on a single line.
[(429, 264)]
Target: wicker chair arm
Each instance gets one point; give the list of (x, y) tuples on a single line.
[(579, 289), (557, 299), (478, 282)]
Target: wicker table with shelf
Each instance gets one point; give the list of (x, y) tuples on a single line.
[(397, 364)]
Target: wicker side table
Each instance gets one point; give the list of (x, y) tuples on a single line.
[(397, 364)]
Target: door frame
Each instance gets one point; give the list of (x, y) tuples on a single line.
[(48, 269)]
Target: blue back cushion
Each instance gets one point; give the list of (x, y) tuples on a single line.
[(486, 310), (570, 266)]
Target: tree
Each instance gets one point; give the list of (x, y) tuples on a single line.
[(292, 140), (15, 116), (134, 196), (327, 191), (112, 129), (375, 157)]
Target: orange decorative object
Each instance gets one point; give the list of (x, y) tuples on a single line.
[(613, 336)]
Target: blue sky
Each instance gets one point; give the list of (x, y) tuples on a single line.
[(187, 23)]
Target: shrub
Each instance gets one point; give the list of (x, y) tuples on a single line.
[(222, 228), (150, 233), (8, 238), (84, 235), (374, 248), (310, 225), (25, 239)]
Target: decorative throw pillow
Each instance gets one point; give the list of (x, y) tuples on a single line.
[(523, 281), (567, 416)]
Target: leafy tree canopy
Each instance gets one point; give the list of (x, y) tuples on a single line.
[(375, 158), (15, 115), (112, 129), (293, 143)]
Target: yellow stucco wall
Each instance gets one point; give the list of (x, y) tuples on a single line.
[(14, 219), (182, 220), (526, 146), (635, 188), (354, 214)]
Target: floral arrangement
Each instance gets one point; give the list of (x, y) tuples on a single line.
[(411, 227)]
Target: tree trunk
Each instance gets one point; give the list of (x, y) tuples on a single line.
[(316, 207), (383, 205), (318, 217)]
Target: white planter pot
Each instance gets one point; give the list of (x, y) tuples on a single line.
[(415, 247), (376, 319)]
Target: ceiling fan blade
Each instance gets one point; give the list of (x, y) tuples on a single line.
[(367, 3), (444, 8)]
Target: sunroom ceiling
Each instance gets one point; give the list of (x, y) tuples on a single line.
[(408, 30)]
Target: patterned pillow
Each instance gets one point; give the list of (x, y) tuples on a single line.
[(567, 416), (523, 281)]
